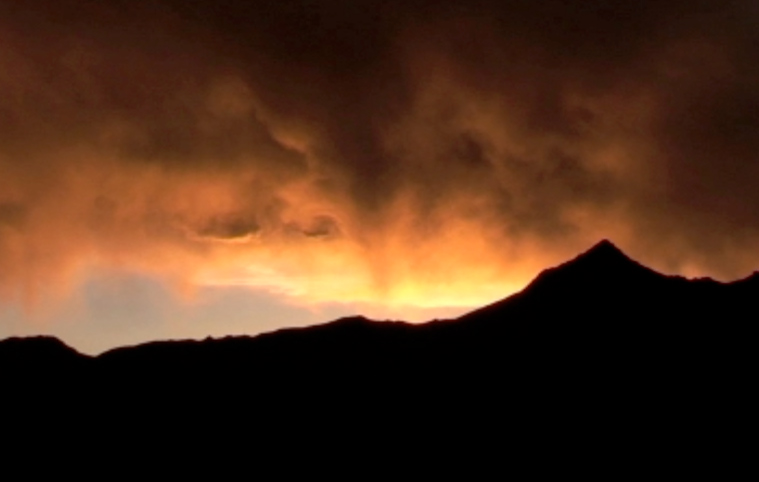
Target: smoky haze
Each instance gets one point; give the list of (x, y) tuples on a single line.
[(428, 152)]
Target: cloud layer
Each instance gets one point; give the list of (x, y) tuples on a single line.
[(422, 152)]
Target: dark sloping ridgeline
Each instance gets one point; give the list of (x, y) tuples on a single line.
[(599, 360)]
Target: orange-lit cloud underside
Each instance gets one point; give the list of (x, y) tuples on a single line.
[(418, 153)]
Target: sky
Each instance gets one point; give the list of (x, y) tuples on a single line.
[(177, 168)]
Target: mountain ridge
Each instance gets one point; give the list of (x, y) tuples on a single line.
[(602, 259), (622, 368)]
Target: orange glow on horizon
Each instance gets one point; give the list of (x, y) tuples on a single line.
[(415, 159)]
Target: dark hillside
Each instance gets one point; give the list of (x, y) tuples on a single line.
[(599, 352)]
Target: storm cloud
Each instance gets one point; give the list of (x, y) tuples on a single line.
[(416, 151)]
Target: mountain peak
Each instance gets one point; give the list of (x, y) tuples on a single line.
[(603, 254), (605, 249), (603, 272), (603, 258), (603, 264)]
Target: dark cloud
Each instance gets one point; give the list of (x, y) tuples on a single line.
[(12, 215), (320, 226), (230, 228), (532, 127)]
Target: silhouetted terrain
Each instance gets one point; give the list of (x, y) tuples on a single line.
[(598, 356)]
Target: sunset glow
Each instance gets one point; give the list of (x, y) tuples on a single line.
[(405, 156)]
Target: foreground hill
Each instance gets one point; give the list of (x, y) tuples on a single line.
[(597, 353)]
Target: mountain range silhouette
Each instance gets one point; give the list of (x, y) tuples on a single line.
[(599, 357)]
